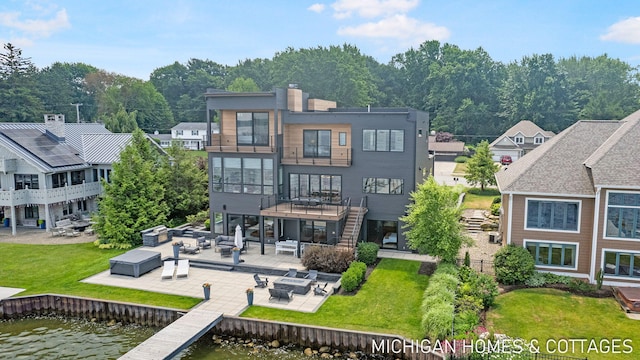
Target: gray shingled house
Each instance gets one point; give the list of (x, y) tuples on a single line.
[(574, 202), (520, 139)]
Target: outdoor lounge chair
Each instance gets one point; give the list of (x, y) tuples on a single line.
[(280, 294), (293, 272), (183, 268), (188, 249), (320, 290), (312, 275), (168, 269), (259, 282), (203, 243)]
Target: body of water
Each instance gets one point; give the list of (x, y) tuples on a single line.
[(59, 337)]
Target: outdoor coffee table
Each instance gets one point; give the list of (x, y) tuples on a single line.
[(298, 285)]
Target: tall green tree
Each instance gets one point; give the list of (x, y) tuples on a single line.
[(433, 221), (134, 199), (19, 96), (242, 84), (185, 184), (481, 168), (121, 121)]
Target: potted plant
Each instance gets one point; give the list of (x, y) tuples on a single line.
[(207, 290), (249, 292), (176, 249), (236, 255)]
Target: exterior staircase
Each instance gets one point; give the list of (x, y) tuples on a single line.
[(474, 221), (352, 227)]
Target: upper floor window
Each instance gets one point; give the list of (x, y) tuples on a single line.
[(194, 132), (519, 139), (317, 143), (552, 215), (623, 215), (59, 180), (382, 186), (252, 128), (179, 132), (538, 140), (382, 140), (342, 139), (242, 175), (323, 187), (23, 181), (77, 177), (552, 254)]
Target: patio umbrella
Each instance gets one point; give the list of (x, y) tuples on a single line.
[(238, 238)]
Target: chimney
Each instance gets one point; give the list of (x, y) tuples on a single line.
[(54, 124)]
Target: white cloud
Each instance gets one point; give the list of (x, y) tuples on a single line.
[(36, 28), (410, 31), (625, 31), (318, 8), (372, 8)]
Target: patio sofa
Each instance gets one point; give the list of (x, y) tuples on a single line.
[(229, 240)]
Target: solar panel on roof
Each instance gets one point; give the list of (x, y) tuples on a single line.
[(45, 148)]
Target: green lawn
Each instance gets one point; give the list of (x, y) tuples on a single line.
[(476, 199), (544, 314), (460, 169), (58, 269), (388, 302)]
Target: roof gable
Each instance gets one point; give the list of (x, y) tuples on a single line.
[(526, 128)]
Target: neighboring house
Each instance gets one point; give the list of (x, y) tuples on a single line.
[(287, 166), (445, 150), (519, 140), (574, 202), (191, 135), (50, 170)]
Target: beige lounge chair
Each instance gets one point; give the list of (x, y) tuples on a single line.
[(168, 269), (183, 268)]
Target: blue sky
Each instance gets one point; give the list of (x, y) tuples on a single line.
[(135, 37)]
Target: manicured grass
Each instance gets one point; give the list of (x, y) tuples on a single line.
[(476, 199), (58, 269), (544, 314), (460, 169), (388, 302)]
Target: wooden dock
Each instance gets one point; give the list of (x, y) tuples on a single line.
[(168, 342)]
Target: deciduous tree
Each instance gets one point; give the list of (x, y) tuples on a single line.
[(433, 221)]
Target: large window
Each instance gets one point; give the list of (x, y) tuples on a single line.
[(622, 264), (59, 180), (23, 181), (623, 215), (252, 128), (314, 231), (382, 140), (242, 175), (382, 186), (77, 177), (31, 212), (324, 187), (317, 143), (552, 215), (552, 254)]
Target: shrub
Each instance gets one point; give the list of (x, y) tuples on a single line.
[(353, 276), (497, 200), (349, 281), (437, 321), (513, 265), (466, 321), (461, 159), (447, 268), (599, 279), (536, 280), (199, 218), (495, 209), (579, 285), (487, 289), (207, 224), (556, 279), (467, 259), (468, 303), (368, 252), (327, 259)]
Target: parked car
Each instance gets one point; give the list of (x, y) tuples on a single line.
[(505, 160)]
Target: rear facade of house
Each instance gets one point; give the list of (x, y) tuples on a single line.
[(574, 202), (285, 166)]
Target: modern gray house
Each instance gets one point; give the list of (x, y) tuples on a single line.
[(286, 166)]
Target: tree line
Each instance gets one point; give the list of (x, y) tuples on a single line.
[(465, 92)]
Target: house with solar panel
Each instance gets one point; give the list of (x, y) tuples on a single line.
[(52, 170)]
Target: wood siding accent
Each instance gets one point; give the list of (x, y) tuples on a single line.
[(227, 139), (294, 99), (582, 238), (293, 150), (321, 105)]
